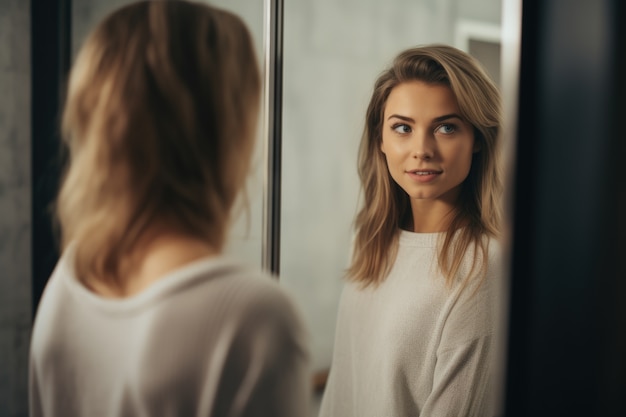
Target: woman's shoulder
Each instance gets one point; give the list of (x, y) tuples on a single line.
[(254, 306), (258, 291), (244, 291)]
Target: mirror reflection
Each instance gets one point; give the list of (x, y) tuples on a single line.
[(334, 51), (417, 314)]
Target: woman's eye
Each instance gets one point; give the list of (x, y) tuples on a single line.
[(446, 129), (402, 128)]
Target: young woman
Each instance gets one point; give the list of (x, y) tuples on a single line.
[(143, 316), (415, 330)]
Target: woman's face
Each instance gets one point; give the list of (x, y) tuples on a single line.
[(428, 146)]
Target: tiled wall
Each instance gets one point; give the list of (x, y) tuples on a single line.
[(15, 223)]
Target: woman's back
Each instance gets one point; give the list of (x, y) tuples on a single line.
[(209, 339)]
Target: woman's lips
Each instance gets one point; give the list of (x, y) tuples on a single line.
[(423, 175)]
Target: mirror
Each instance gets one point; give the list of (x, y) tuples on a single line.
[(333, 52)]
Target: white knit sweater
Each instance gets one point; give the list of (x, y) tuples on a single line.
[(209, 339), (412, 346)]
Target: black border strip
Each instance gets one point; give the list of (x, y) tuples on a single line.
[(50, 62), (567, 324)]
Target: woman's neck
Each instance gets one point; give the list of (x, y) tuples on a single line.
[(156, 255), (431, 216)]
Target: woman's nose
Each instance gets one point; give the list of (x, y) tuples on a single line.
[(423, 146)]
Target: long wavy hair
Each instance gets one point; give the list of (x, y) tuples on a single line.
[(159, 122), (386, 206)]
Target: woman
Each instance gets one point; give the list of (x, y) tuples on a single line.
[(143, 316), (416, 321)]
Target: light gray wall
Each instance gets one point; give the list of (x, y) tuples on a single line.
[(489, 11), (15, 203)]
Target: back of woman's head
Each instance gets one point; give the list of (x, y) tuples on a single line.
[(159, 121), (386, 206)]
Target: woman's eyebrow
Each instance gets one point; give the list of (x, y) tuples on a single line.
[(405, 118), (435, 120), (446, 117)]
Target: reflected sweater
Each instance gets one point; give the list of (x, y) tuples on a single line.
[(209, 339), (412, 346)]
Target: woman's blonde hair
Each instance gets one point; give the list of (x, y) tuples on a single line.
[(386, 207), (159, 122)]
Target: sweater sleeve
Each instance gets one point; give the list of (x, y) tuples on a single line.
[(462, 381), (464, 368)]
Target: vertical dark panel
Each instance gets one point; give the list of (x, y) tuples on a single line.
[(567, 325), (273, 106), (613, 384), (50, 49), (518, 360)]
